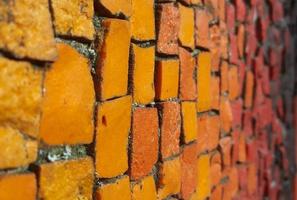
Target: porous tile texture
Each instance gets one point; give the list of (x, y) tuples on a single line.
[(148, 99)]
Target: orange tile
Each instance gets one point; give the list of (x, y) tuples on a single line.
[(233, 82), (68, 105), (252, 179), (114, 7), (224, 77), (203, 82), (225, 115), (231, 186), (189, 121), (215, 50), (18, 186), (241, 40), (166, 82), (203, 177), (213, 130), (170, 178), (202, 134), (143, 74), (143, 20), (215, 93), (113, 56), (217, 193), (249, 89), (186, 29), (120, 189), (113, 126), (145, 189), (215, 168), (225, 146)]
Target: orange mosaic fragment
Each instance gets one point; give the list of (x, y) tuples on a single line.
[(170, 178), (113, 121), (120, 189), (18, 186), (145, 189), (68, 104)]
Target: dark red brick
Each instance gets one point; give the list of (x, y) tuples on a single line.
[(187, 87), (188, 171), (167, 28), (144, 142), (170, 128), (202, 37)]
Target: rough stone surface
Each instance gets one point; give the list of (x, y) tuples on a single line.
[(74, 18), (167, 28), (26, 29), (187, 77), (170, 128), (20, 96), (15, 150), (188, 171), (66, 180)]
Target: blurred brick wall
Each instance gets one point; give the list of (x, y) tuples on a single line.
[(144, 100)]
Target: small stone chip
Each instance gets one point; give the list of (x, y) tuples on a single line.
[(67, 180), (15, 150), (26, 29), (74, 18)]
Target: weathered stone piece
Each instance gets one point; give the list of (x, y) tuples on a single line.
[(20, 96), (67, 180), (74, 18), (26, 29), (15, 150)]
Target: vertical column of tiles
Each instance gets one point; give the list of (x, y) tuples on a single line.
[(144, 136), (114, 110)]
